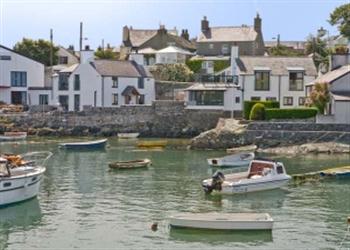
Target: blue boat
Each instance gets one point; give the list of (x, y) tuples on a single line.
[(98, 144)]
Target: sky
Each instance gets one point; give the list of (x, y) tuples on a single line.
[(104, 19)]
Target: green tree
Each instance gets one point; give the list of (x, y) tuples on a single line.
[(341, 17), (173, 72), (105, 53), (318, 47), (319, 96), (282, 50), (38, 50)]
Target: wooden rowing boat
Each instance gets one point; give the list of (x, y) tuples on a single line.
[(128, 135), (223, 221), (130, 164), (13, 136), (151, 144)]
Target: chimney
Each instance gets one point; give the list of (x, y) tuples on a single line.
[(205, 24), (185, 35), (162, 29), (257, 23), (86, 55), (71, 48), (234, 57), (126, 34)]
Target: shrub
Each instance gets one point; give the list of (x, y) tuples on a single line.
[(221, 65), (194, 65), (248, 105), (172, 72), (296, 113), (258, 112)]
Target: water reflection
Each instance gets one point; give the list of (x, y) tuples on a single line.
[(18, 217), (216, 237)]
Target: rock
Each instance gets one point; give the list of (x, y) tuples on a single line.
[(45, 132), (249, 148)]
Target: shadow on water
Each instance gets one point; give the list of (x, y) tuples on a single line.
[(22, 216), (218, 236)]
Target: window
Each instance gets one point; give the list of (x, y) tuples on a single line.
[(279, 169), (207, 97), (76, 82), (211, 46), (262, 80), (237, 99), (224, 49), (271, 99), (288, 101), (140, 83), (43, 99), (7, 184), (142, 99), (63, 100), (63, 60), (114, 82), (296, 81), (255, 98), (18, 79), (114, 99), (63, 81), (207, 64), (302, 101), (5, 58), (76, 102)]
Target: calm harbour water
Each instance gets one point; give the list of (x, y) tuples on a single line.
[(82, 204)]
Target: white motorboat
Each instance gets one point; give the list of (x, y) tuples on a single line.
[(19, 180), (223, 221), (262, 174), (235, 160), (128, 135), (13, 136)]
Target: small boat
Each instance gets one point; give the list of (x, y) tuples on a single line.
[(339, 172), (223, 221), (13, 136), (262, 174), (128, 135), (130, 164), (151, 144), (248, 148), (20, 180), (98, 144), (236, 160)]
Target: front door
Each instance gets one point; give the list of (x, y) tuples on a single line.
[(63, 100), (127, 99), (76, 102), (19, 97)]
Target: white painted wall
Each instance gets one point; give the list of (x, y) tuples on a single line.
[(170, 58), (35, 73), (33, 96), (90, 81), (342, 112), (123, 82)]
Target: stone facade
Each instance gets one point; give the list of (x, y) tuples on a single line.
[(161, 119)]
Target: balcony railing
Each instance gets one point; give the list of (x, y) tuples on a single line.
[(210, 78)]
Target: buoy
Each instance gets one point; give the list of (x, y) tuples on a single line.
[(154, 226)]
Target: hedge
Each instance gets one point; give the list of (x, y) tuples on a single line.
[(296, 113), (221, 65), (248, 105), (194, 65), (258, 112)]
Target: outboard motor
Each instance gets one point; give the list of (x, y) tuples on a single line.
[(216, 182)]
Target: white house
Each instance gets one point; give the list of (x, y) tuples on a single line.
[(21, 79), (171, 55), (256, 78), (103, 83), (338, 110)]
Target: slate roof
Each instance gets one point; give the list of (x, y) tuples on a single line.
[(130, 90), (276, 65), (6, 48), (333, 75), (341, 96), (228, 34), (140, 36), (120, 68)]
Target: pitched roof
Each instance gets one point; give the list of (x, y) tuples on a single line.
[(1, 46), (228, 34), (69, 69), (139, 36), (130, 90), (341, 96), (333, 75), (276, 65), (120, 68), (174, 49)]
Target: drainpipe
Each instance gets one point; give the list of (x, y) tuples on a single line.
[(279, 88), (242, 99), (102, 91)]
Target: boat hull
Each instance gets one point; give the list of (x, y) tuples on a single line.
[(20, 189), (130, 165), (12, 138), (224, 222), (128, 135), (254, 187), (237, 160), (85, 145)]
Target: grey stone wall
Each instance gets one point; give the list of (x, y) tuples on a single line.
[(162, 119)]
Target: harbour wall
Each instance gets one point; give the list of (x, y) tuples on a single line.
[(168, 119)]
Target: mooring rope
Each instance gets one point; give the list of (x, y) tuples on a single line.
[(345, 236)]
